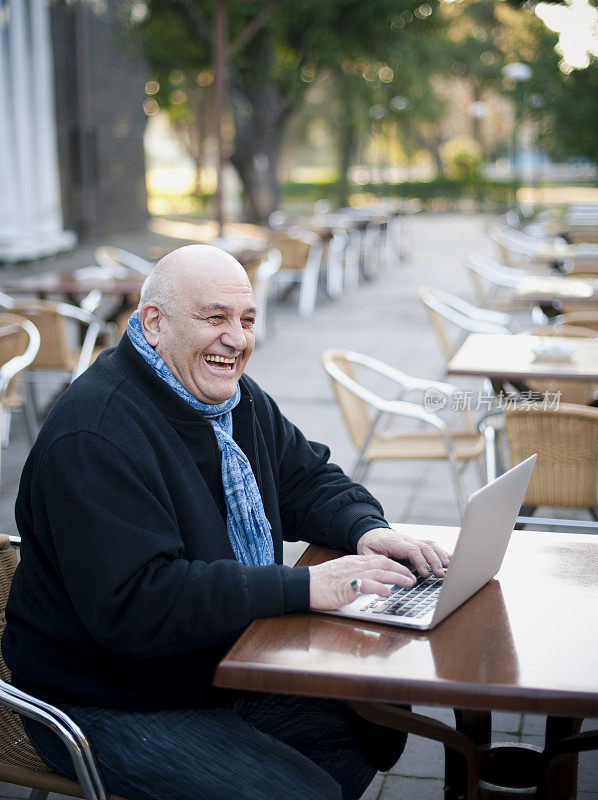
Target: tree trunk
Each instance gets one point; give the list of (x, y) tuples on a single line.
[(260, 118)]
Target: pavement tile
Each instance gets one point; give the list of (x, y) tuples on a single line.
[(7, 790), (503, 721), (534, 723), (422, 758), (588, 772), (373, 790), (398, 788)]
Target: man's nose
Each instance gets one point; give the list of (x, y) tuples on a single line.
[(235, 337)]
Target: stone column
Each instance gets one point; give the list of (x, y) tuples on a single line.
[(31, 223)]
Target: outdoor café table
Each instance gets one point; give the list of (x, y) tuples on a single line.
[(524, 643), (547, 290), (243, 241), (68, 284), (510, 357)]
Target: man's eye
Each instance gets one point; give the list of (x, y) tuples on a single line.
[(249, 322)]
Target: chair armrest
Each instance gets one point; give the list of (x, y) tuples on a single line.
[(396, 407), (401, 378), (87, 347), (65, 729), (18, 363)]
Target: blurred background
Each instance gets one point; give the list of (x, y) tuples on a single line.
[(232, 109)]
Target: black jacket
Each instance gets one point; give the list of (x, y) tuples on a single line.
[(128, 592)]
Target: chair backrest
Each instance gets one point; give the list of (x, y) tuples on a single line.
[(566, 441), (355, 412), (117, 261), (13, 739), (8, 564), (443, 308), (570, 391), (294, 247), (55, 351), (487, 275), (19, 344)]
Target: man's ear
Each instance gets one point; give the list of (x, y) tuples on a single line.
[(152, 321)]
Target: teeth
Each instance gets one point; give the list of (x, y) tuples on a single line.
[(220, 359)]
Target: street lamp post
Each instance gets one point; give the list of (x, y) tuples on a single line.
[(516, 73)]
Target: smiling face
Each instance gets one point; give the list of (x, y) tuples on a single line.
[(207, 339)]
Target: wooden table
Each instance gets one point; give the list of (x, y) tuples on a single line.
[(517, 645), (509, 357), (67, 284)]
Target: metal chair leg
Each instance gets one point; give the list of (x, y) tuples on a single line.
[(38, 794)]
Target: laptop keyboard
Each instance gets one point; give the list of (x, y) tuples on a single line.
[(414, 602)]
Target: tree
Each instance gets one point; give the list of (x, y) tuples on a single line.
[(569, 127), (266, 76)]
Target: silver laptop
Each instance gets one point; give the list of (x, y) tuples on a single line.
[(487, 526)]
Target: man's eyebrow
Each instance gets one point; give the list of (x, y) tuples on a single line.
[(211, 307)]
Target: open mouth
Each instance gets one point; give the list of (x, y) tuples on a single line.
[(220, 362)]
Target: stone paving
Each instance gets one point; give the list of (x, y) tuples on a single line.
[(382, 318)]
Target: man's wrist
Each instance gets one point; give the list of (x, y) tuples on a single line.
[(362, 527)]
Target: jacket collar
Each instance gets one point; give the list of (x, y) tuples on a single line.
[(131, 364)]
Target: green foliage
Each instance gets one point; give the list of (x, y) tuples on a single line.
[(450, 190), (569, 129), (382, 68), (463, 158)]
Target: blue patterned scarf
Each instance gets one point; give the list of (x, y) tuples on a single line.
[(248, 527)]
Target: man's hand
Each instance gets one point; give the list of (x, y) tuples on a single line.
[(391, 543), (330, 582)]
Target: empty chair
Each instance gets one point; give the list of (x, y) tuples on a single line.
[(492, 281), (570, 391), (19, 343), (301, 253), (19, 762), (62, 355), (117, 261), (517, 248), (260, 273), (365, 414), (447, 312), (566, 472)]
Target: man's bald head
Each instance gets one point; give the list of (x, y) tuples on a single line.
[(170, 281), (197, 311)]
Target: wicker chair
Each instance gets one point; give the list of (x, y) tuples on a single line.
[(301, 253), (447, 312), (493, 283), (19, 343), (118, 262), (580, 392), (365, 413), (19, 762), (58, 357), (261, 272), (566, 472)]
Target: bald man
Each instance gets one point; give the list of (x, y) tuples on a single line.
[(152, 510)]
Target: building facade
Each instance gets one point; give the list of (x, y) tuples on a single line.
[(71, 127)]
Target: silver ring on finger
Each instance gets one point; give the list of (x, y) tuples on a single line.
[(356, 585)]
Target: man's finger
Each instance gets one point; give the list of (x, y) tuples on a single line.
[(390, 577)]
